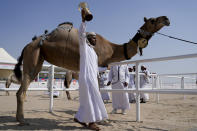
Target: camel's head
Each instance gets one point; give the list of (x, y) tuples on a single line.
[(153, 25), (150, 26)]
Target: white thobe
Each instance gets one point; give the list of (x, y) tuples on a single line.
[(91, 107), (103, 84), (144, 80), (132, 86), (118, 75), (196, 79)]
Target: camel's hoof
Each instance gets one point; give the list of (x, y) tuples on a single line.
[(69, 98), (17, 119), (23, 124)]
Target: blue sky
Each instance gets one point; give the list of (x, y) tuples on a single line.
[(116, 20)]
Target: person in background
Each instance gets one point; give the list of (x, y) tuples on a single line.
[(144, 80), (196, 79), (92, 108), (131, 84), (103, 84), (119, 78)]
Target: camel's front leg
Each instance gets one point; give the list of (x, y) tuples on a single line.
[(68, 95), (20, 101)]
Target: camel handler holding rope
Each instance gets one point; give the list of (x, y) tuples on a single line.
[(92, 108)]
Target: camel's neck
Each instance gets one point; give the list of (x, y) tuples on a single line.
[(127, 50), (128, 47), (139, 35), (119, 51)]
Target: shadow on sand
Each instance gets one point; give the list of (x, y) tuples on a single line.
[(10, 123)]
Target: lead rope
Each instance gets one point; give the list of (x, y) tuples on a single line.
[(176, 38)]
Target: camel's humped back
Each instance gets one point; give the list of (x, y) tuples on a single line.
[(63, 46)]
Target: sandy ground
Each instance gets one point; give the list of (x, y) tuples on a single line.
[(173, 113)]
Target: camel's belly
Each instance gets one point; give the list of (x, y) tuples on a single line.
[(70, 63), (62, 56)]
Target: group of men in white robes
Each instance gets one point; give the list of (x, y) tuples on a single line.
[(144, 80), (123, 77)]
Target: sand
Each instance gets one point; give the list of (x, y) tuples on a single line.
[(173, 113)]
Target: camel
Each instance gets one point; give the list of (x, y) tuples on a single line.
[(68, 78), (61, 48), (11, 79)]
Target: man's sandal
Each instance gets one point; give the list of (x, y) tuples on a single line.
[(83, 124), (93, 126)]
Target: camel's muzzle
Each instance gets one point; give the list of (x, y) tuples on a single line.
[(167, 22)]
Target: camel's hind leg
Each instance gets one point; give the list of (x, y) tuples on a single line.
[(67, 81), (7, 85), (20, 99), (7, 93), (32, 64)]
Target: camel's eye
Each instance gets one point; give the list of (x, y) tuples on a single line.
[(152, 21)]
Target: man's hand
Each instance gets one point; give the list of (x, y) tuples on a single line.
[(83, 15), (125, 84), (108, 83)]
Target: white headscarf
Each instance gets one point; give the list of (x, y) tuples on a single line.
[(90, 33)]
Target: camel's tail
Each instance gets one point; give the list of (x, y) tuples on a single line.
[(17, 69)]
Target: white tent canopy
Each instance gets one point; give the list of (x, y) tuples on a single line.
[(6, 58), (7, 63)]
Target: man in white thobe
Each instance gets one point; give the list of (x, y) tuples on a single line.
[(144, 80), (103, 84), (92, 108), (119, 78), (131, 84), (196, 79)]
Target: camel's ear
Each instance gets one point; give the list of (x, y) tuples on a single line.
[(145, 19)]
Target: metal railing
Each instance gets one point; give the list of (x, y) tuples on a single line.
[(137, 90), (161, 91)]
